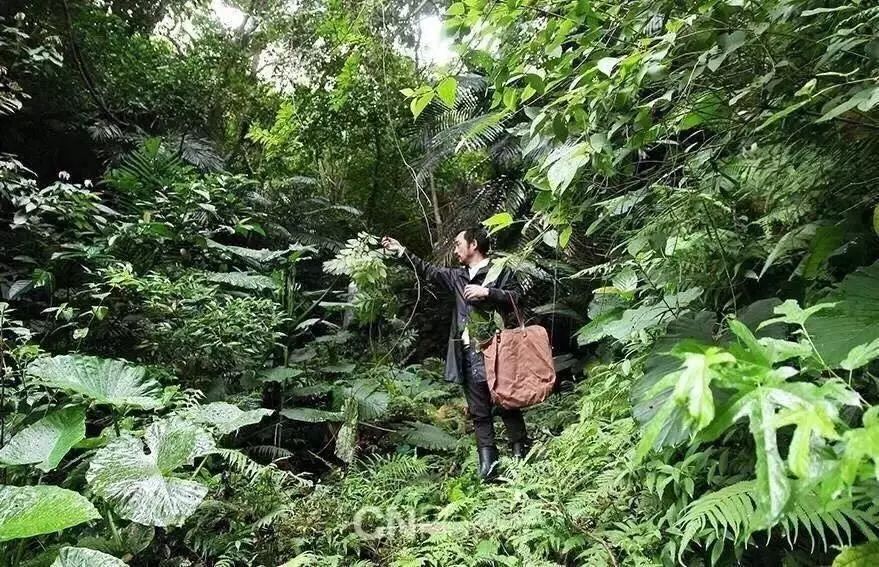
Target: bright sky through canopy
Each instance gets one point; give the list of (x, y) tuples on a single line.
[(435, 47)]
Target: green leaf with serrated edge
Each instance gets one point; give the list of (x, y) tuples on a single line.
[(861, 355), (46, 441)]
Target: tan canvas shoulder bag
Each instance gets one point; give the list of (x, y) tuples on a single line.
[(518, 365)]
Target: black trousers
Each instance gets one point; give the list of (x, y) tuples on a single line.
[(481, 407)]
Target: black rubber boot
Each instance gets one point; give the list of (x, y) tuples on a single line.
[(488, 462), (520, 449)]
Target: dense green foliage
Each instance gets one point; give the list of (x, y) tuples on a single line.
[(207, 359)]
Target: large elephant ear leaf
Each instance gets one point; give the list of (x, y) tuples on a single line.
[(140, 485), (26, 511), (104, 380), (84, 557), (225, 417), (46, 441)]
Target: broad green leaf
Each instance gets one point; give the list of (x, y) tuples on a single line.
[(864, 555), (84, 557), (860, 355), (827, 240), (279, 374), (563, 171), (607, 64), (633, 321), (775, 117), (651, 433), (853, 321), (419, 103), (565, 236), (225, 417), (814, 11), (140, 485), (790, 312), (46, 441), (498, 221), (811, 420), (693, 388), (864, 99), (861, 444), (728, 43), (446, 91), (495, 268), (773, 485), (27, 511), (311, 415), (456, 9), (106, 381), (757, 354), (780, 350)]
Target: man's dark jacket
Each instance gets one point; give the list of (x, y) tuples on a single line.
[(454, 280)]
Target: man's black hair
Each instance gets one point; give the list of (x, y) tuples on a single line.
[(480, 235)]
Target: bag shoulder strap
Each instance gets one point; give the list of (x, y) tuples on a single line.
[(515, 309)]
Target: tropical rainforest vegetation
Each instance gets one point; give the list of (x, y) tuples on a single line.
[(206, 358)]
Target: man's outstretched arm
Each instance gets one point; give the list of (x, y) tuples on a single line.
[(431, 272)]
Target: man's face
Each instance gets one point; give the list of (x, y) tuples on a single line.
[(464, 250)]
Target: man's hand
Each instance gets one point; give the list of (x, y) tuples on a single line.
[(392, 244), (472, 292)]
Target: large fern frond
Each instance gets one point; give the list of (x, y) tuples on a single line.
[(727, 515)]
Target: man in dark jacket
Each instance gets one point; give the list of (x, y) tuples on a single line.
[(464, 361)]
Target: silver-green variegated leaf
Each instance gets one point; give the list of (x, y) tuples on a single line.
[(27, 511), (346, 439), (311, 415), (84, 557), (142, 486), (244, 280), (106, 381), (45, 442), (225, 417)]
